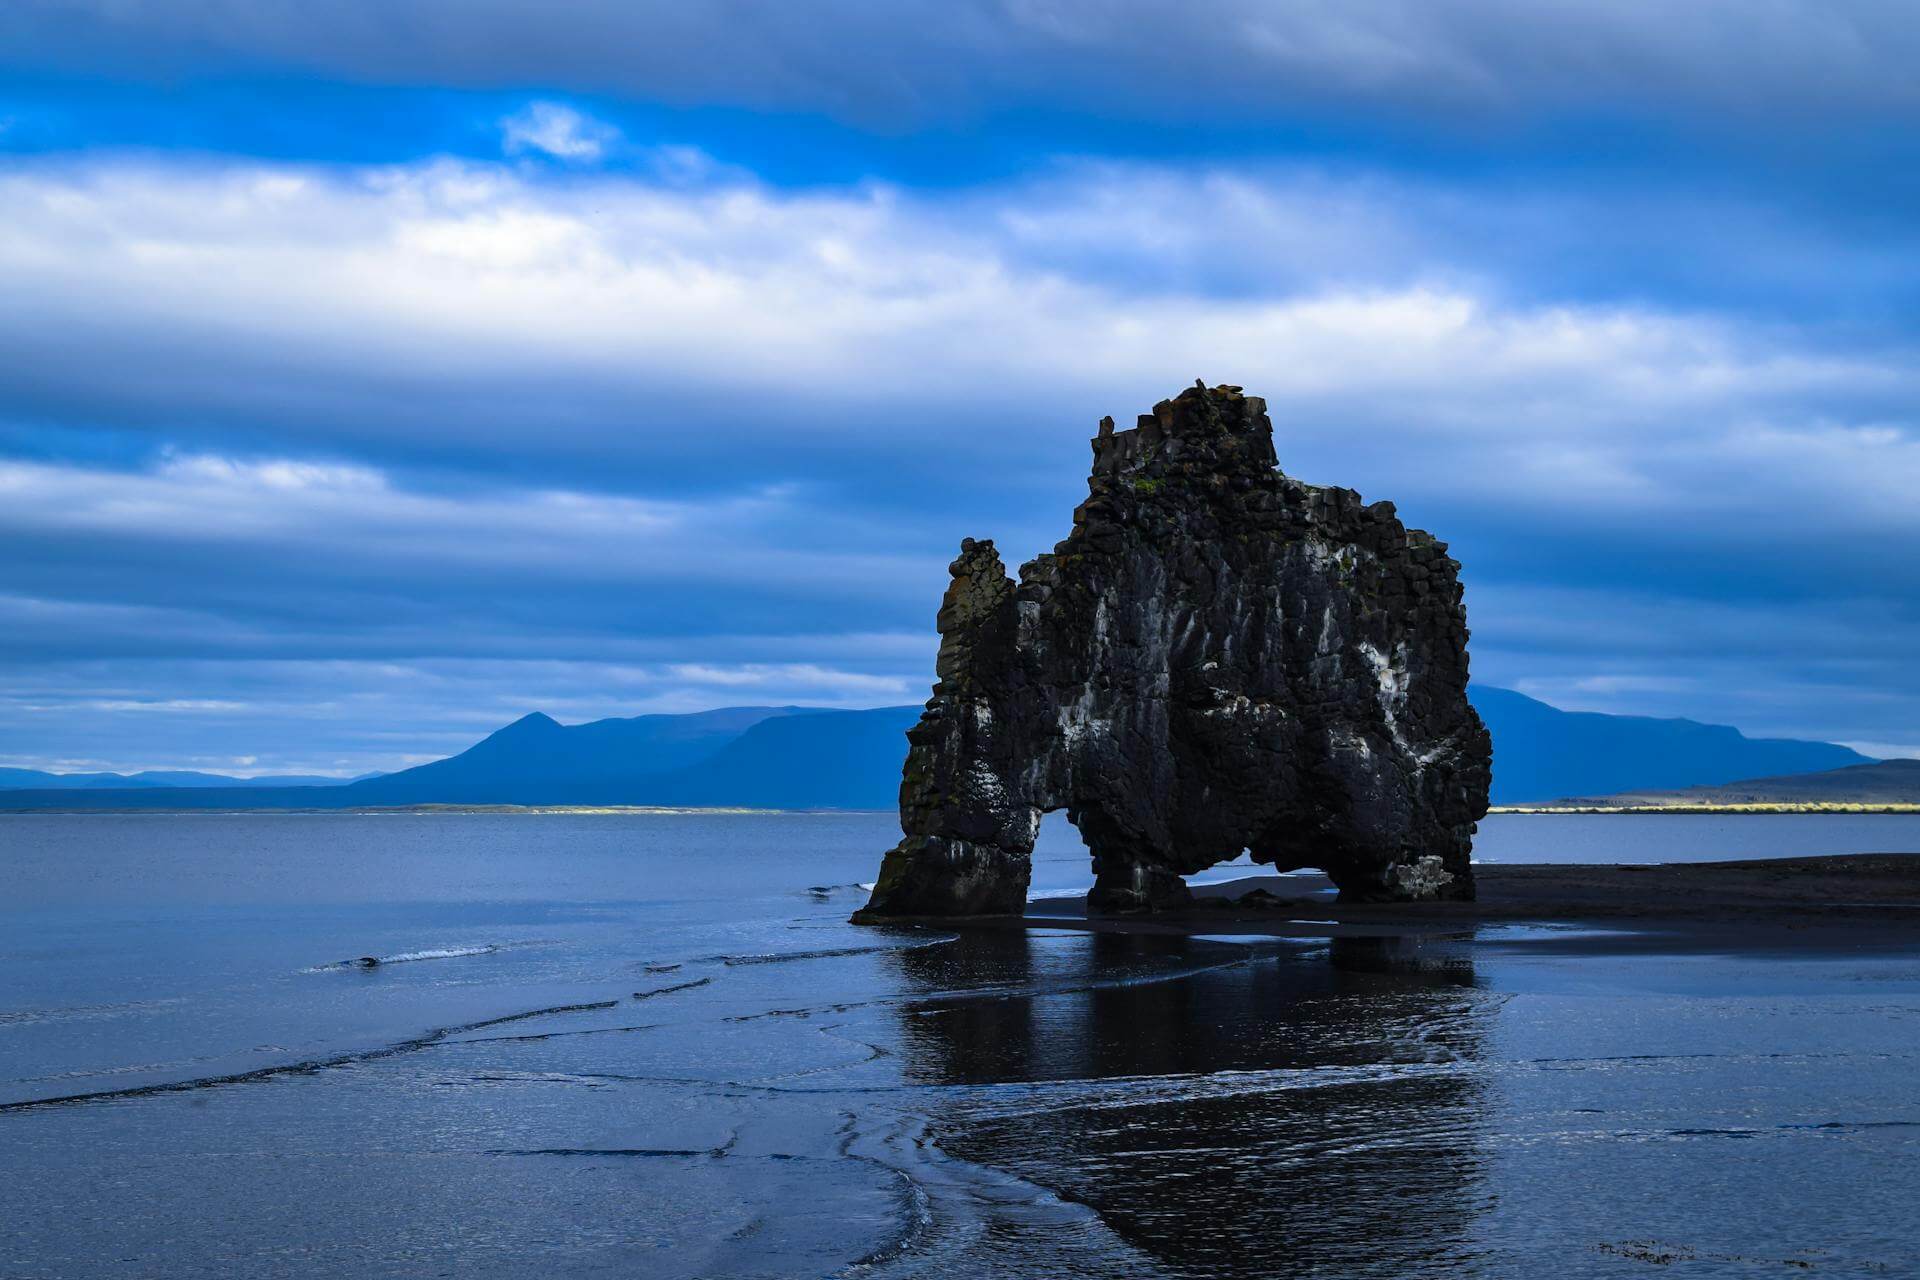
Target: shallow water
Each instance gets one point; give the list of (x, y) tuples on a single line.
[(739, 1083)]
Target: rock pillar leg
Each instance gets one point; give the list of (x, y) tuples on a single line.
[(1127, 878), (942, 876), (1130, 888), (967, 826)]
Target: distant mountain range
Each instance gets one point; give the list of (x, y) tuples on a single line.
[(537, 760), (753, 757), (747, 757), (1543, 753), (810, 758)]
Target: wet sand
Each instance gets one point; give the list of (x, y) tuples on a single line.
[(1841, 903)]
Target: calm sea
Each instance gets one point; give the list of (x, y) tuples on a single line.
[(651, 1046)]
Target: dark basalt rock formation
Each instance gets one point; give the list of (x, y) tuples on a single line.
[(1218, 658)]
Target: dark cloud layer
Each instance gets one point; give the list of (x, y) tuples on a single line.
[(911, 62)]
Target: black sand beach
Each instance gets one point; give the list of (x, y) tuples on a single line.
[(1848, 902)]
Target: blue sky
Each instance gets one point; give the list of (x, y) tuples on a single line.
[(373, 373)]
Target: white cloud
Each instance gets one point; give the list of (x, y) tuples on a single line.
[(238, 289), (557, 130), (472, 308), (282, 513), (333, 327), (795, 675), (164, 705)]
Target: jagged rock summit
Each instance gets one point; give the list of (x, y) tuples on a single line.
[(1218, 658)]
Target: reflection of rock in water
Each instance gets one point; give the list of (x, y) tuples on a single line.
[(1282, 1117)]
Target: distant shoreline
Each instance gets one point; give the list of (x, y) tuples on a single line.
[(1678, 810), (1758, 807), (413, 810)]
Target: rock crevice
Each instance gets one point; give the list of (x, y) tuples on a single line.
[(1219, 658)]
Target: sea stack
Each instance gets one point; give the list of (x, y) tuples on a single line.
[(1219, 658)]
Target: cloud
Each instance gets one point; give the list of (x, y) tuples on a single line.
[(1769, 663), (341, 304), (791, 675), (465, 315), (599, 441), (160, 704), (351, 716), (305, 547), (952, 60), (322, 612), (557, 130)]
